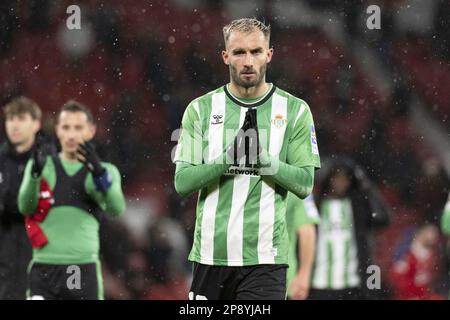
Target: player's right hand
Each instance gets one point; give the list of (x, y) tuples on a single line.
[(39, 158), (87, 154)]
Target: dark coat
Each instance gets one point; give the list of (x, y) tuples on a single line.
[(12, 166), (15, 247)]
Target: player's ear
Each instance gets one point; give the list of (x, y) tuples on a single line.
[(36, 126), (269, 55), (225, 57), (92, 131)]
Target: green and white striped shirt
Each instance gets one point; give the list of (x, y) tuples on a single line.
[(336, 264), (240, 218)]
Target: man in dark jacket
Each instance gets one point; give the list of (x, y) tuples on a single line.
[(22, 122), (351, 207)]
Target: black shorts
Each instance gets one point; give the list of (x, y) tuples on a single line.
[(260, 282), (65, 282), (15, 256)]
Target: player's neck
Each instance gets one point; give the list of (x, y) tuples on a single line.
[(249, 93), (68, 156)]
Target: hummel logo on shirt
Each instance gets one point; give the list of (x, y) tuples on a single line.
[(217, 119)]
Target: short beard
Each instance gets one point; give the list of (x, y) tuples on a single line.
[(244, 84)]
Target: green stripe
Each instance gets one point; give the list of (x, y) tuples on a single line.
[(322, 226), (28, 292), (222, 219), (346, 263), (280, 233), (346, 211), (100, 291), (230, 128), (329, 246), (347, 215), (329, 263), (204, 109), (251, 221), (195, 251)]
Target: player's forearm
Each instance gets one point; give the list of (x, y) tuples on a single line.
[(307, 247), (297, 180), (114, 197), (190, 178), (28, 193), (115, 201)]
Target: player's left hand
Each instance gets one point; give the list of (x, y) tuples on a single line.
[(39, 157), (86, 153), (299, 288)]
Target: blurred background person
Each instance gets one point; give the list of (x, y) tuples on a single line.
[(445, 226), (64, 197), (445, 220), (350, 208), (413, 275), (22, 122), (301, 220)]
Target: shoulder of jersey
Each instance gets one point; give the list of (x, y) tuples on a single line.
[(108, 164), (206, 95)]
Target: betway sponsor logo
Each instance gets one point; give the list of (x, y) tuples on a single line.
[(233, 171)]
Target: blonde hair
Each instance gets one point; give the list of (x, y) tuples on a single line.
[(246, 25)]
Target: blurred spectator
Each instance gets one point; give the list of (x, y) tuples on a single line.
[(156, 67), (445, 226), (432, 189), (106, 25), (9, 23), (350, 207), (414, 274), (445, 220), (442, 26), (198, 70), (39, 14), (22, 123)]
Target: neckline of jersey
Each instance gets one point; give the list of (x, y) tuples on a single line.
[(70, 163), (255, 104)]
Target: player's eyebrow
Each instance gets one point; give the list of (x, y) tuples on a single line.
[(259, 49), (238, 50), (241, 50)]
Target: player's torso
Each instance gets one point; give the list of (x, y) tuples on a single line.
[(221, 116), (241, 217), (71, 230)]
